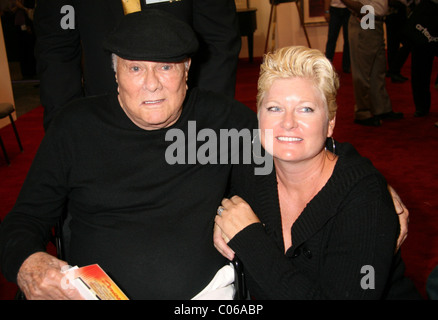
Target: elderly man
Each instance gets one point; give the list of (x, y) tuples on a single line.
[(71, 62), (147, 223)]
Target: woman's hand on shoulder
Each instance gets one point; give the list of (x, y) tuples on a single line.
[(403, 216), (234, 215)]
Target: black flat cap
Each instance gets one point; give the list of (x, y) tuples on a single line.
[(152, 35)]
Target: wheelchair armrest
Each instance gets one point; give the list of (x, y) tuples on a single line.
[(239, 280)]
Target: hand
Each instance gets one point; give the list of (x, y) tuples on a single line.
[(236, 216), (403, 216), (40, 278), (220, 241)]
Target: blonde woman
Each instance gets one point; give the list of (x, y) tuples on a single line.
[(322, 225)]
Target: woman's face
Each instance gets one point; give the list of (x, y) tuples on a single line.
[(296, 114)]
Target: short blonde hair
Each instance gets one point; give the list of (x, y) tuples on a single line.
[(301, 62)]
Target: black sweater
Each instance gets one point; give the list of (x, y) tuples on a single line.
[(147, 223), (349, 225)]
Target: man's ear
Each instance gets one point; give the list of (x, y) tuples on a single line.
[(187, 64)]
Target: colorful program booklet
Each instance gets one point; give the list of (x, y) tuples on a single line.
[(94, 284)]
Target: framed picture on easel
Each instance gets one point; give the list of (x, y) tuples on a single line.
[(273, 20), (313, 12)]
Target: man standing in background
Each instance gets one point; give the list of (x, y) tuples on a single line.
[(368, 62), (337, 16), (72, 63)]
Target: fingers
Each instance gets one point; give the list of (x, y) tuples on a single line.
[(397, 205), (219, 211), (235, 215), (220, 242), (403, 216), (234, 200), (400, 241), (226, 203), (40, 278), (404, 222), (400, 207), (219, 237), (42, 286)]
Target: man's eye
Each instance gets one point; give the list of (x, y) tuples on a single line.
[(166, 67), (135, 68)]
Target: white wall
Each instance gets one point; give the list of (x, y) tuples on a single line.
[(289, 31), (6, 93)]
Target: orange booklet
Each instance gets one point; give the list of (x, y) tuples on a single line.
[(94, 284)]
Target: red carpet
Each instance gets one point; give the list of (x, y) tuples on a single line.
[(405, 151), (31, 132)]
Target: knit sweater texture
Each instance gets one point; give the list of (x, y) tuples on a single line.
[(146, 222), (343, 242)]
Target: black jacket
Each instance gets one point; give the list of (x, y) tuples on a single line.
[(343, 241), (146, 221), (72, 62)]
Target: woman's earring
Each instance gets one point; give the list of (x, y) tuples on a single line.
[(333, 146)]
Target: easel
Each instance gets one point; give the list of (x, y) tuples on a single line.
[(273, 22)]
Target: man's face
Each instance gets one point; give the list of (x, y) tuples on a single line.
[(152, 93)]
